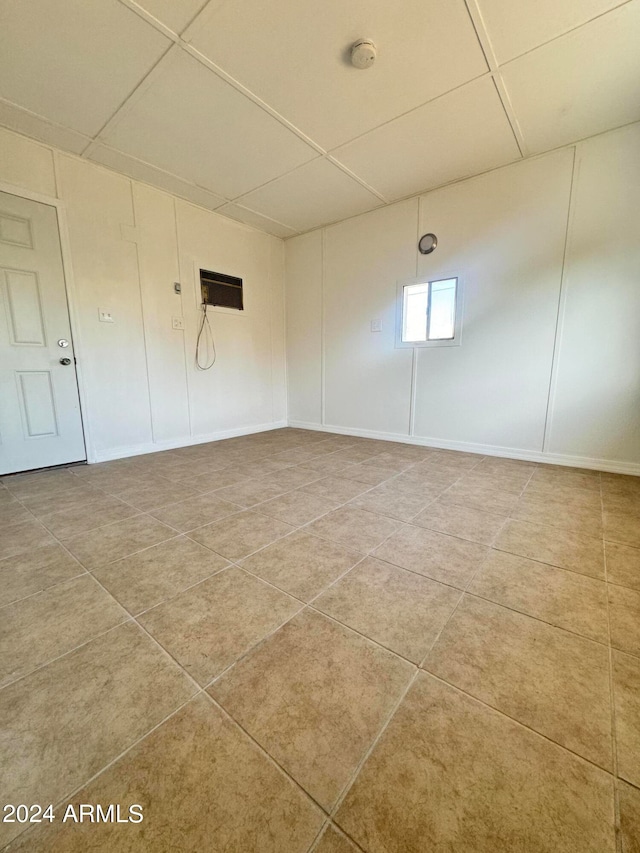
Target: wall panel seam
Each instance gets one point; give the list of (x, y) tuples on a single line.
[(557, 337)]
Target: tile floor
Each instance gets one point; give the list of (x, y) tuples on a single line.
[(297, 641)]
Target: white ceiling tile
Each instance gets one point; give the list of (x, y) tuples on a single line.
[(150, 175), (175, 14), (314, 194), (462, 133), (190, 122), (256, 220), (296, 57), (74, 62), (583, 83), (517, 27), (36, 127)]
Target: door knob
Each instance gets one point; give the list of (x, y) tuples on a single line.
[(65, 361)]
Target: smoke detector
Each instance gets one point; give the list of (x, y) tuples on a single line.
[(363, 53)]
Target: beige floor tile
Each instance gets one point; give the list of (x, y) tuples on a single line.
[(509, 483), (72, 522), (118, 540), (45, 483), (578, 478), (325, 465), (619, 484), (12, 512), (333, 841), (294, 457), (335, 488), (218, 480), (629, 799), (315, 695), (51, 623), (453, 459), (477, 496), (356, 454), (239, 535), (393, 503), (626, 689), (18, 538), (443, 558), (562, 598), (114, 466), (555, 682), (368, 473), (156, 495), (391, 460), (260, 468), (116, 482), (145, 579), (209, 626), (298, 508), (431, 481), (301, 564), (185, 471), (451, 774), (195, 512), (35, 570), (79, 498), (250, 492), (624, 617), (623, 564), (559, 513), (68, 720), (623, 528), (291, 478), (401, 610), (551, 545), (462, 521), (222, 794), (354, 528), (575, 496), (621, 504)]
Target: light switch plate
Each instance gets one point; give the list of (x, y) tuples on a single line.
[(105, 316), (177, 323), (376, 325)]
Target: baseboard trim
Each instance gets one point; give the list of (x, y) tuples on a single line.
[(186, 441), (610, 465)]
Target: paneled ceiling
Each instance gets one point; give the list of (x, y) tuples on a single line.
[(253, 109)]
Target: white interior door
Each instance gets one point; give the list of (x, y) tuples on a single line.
[(40, 421)]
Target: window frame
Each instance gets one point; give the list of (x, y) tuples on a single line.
[(456, 340)]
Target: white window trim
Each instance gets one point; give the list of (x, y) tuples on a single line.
[(456, 341)]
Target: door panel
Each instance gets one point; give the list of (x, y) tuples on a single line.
[(40, 421), (26, 323), (35, 390)]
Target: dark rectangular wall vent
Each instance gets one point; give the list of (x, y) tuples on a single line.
[(220, 289)]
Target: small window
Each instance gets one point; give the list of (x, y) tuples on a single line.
[(221, 290), (429, 313)]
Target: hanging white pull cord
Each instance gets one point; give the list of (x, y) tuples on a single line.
[(210, 344)]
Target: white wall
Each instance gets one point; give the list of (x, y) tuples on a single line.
[(128, 244), (549, 366)]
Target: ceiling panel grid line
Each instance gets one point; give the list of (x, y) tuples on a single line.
[(489, 54)]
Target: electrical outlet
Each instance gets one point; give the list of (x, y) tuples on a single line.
[(177, 323), (376, 325), (105, 316)]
